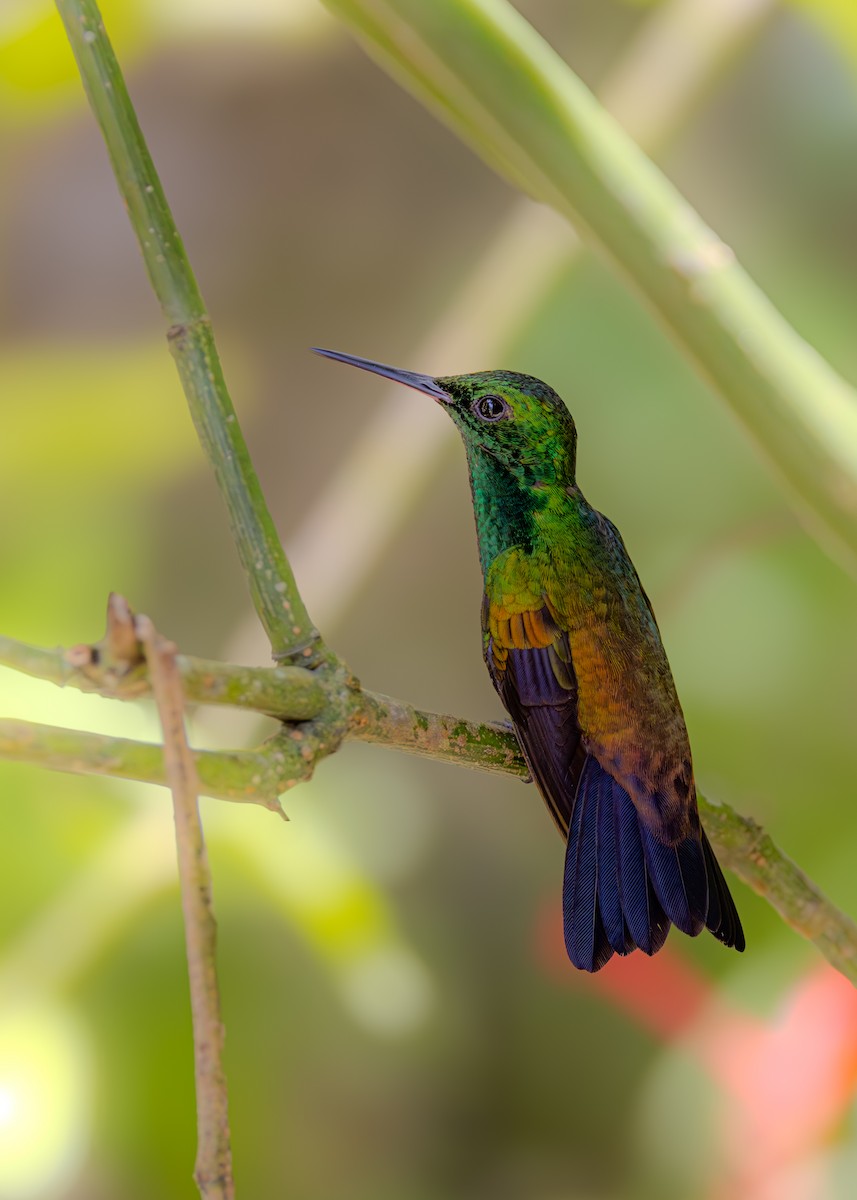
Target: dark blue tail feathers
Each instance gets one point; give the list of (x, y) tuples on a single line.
[(623, 888)]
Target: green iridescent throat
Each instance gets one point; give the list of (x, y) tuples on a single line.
[(504, 504)]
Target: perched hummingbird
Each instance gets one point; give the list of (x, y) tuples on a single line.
[(573, 649)]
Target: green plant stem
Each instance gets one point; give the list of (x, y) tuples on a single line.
[(289, 693), (505, 91), (272, 585), (241, 776), (389, 722)]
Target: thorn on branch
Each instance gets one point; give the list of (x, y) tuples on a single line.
[(118, 655)]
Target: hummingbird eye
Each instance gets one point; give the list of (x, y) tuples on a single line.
[(491, 408)]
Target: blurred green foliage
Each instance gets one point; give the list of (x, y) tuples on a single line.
[(838, 18), (393, 1027)]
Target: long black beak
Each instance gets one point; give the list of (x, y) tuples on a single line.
[(422, 383)]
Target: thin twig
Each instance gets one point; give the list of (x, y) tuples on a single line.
[(272, 585), (213, 1171)]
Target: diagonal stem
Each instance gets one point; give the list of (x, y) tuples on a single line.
[(746, 848)]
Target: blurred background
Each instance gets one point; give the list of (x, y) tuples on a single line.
[(402, 1022)]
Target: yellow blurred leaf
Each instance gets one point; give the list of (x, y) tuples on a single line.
[(38, 75), (91, 416), (838, 19)]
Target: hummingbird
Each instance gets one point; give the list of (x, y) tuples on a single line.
[(574, 652)]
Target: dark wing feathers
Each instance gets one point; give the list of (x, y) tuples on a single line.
[(539, 692), (623, 888)]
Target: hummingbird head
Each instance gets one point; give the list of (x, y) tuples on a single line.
[(516, 419)]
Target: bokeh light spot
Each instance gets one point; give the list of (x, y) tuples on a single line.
[(44, 1100)]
